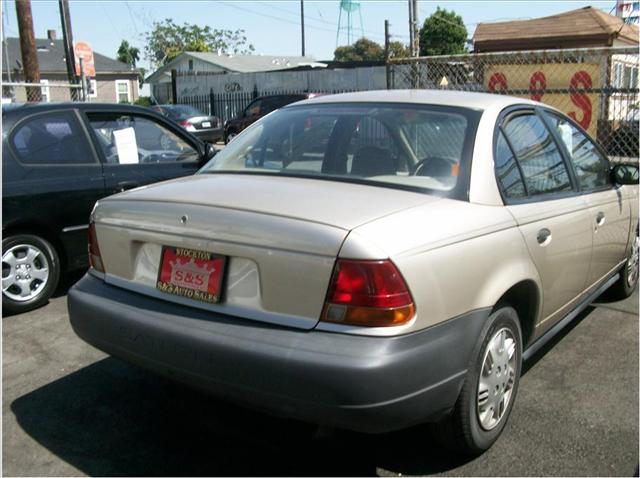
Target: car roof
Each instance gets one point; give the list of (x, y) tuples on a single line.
[(30, 108), (480, 101), (285, 95)]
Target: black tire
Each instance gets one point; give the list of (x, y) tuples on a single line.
[(628, 280), (49, 259), (228, 136), (462, 431)]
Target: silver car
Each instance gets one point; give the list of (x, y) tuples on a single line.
[(368, 260)]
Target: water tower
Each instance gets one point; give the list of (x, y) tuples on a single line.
[(350, 8)]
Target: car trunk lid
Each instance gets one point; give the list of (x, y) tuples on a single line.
[(280, 237)]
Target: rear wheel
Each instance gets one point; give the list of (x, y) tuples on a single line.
[(628, 280), (30, 272), (490, 387), (230, 135)]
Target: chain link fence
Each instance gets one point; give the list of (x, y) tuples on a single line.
[(41, 92), (597, 87)]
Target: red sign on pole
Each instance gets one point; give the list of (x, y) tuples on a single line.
[(83, 50)]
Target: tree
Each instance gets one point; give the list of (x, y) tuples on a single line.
[(362, 50), (128, 54), (443, 33), (166, 40), (398, 50)]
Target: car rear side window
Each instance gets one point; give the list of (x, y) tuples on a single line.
[(592, 169), (507, 170), (538, 155), (52, 139)]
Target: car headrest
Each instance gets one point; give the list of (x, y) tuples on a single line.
[(372, 161)]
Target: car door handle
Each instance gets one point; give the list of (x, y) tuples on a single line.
[(544, 236), (600, 218), (124, 185)]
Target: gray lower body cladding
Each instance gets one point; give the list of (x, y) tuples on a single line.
[(368, 384)]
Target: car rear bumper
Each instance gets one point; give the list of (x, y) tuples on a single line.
[(368, 384), (211, 135)]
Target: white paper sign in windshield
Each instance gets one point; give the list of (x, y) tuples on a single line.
[(126, 146)]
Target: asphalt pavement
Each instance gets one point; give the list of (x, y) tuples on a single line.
[(70, 410)]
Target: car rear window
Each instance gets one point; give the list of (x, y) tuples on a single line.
[(419, 147), (183, 111)]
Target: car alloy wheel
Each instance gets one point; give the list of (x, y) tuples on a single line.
[(25, 272), (497, 378)]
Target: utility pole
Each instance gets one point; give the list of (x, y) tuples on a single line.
[(411, 35), (416, 29), (67, 40), (28, 49), (5, 47), (386, 54), (302, 23)]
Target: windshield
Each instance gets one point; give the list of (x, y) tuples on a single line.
[(418, 147), (183, 111)]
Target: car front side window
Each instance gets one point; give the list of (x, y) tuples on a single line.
[(132, 139), (592, 169)]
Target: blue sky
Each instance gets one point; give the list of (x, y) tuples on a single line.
[(271, 26)]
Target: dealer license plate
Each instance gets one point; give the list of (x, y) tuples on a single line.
[(206, 124), (192, 274)]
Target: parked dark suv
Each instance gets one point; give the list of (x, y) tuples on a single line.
[(57, 160), (257, 109)]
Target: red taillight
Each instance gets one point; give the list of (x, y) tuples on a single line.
[(95, 259), (371, 293), (184, 123)]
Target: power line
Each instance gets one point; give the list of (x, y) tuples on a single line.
[(319, 20), (133, 21), (273, 17)]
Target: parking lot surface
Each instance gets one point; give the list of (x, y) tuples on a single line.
[(69, 409)]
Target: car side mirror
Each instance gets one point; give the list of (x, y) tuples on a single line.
[(624, 174), (209, 152)]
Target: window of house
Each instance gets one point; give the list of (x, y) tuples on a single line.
[(122, 91), (93, 89), (633, 77), (617, 75), (44, 91), (190, 65)]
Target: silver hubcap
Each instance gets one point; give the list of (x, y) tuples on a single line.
[(25, 272), (497, 379), (230, 136), (632, 264)]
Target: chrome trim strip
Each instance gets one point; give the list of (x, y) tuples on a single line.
[(75, 228)]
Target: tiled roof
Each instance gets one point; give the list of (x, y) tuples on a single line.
[(583, 23), (51, 58)]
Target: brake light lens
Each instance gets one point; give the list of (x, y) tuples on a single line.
[(95, 259), (187, 125), (368, 293)]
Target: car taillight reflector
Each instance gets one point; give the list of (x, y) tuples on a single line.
[(184, 123), (371, 293), (95, 259)]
